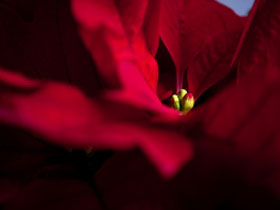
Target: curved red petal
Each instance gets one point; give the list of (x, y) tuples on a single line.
[(187, 26), (118, 30), (260, 47), (65, 116), (212, 64), (245, 118)]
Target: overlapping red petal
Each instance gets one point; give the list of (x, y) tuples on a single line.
[(118, 30), (261, 46), (212, 64), (189, 29), (235, 133), (245, 117), (65, 116)]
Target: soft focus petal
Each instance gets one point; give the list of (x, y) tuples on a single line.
[(121, 62), (141, 16), (35, 174), (214, 176), (134, 19), (151, 25), (246, 118), (132, 14), (65, 116), (135, 185), (187, 26), (261, 46), (120, 38)]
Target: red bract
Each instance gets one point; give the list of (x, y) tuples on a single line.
[(235, 135), (115, 37), (65, 106), (123, 110), (201, 37)]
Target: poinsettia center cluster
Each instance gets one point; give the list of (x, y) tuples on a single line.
[(182, 101)]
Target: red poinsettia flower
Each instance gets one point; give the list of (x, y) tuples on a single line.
[(116, 35), (235, 136), (125, 111)]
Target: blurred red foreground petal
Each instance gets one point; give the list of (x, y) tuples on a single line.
[(118, 29), (63, 115)]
